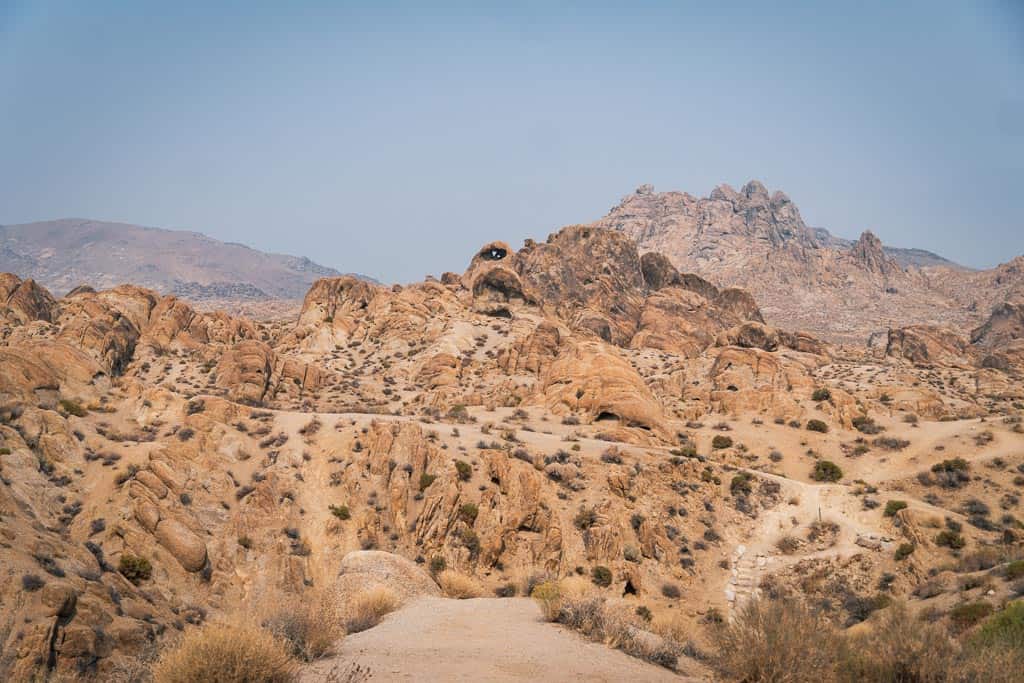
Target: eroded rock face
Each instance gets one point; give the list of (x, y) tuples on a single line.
[(535, 352), (929, 345), (337, 298), (758, 380), (1005, 325), (23, 301), (245, 370), (591, 277), (493, 281), (594, 381)]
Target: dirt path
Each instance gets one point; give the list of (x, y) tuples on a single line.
[(487, 639), (829, 502)]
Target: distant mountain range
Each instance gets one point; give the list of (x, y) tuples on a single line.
[(806, 278), (66, 253)]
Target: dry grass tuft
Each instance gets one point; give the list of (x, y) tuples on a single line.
[(230, 651), (458, 585), (311, 624), (367, 609)]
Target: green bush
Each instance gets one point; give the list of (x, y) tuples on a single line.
[(437, 564), (470, 541), (866, 425), (817, 426), (585, 518), (904, 551), (1005, 628), (601, 575), (340, 511), (721, 441), (468, 513), (464, 470), (72, 408), (741, 483), (948, 538), (826, 470), (134, 568), (821, 394), (894, 506), (952, 465), (1014, 570), (962, 617), (426, 480)]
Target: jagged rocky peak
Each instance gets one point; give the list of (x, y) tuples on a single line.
[(756, 192), (868, 252), (724, 192)]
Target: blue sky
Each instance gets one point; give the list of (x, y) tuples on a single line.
[(394, 139)]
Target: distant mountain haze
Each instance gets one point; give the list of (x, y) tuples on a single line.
[(66, 253)]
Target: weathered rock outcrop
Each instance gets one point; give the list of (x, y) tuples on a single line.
[(929, 345)]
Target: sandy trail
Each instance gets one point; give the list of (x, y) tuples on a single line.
[(486, 639)]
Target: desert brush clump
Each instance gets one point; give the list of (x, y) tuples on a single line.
[(367, 609), (594, 618), (826, 470), (786, 640), (235, 650), (458, 585), (311, 625), (134, 568)]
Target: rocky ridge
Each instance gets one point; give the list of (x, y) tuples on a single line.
[(804, 278)]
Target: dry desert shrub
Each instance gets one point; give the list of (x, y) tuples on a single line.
[(548, 596), (235, 650), (577, 587), (367, 609), (898, 647), (616, 627), (311, 624), (777, 642), (989, 665), (458, 585)]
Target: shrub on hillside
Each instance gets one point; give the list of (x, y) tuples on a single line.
[(866, 425), (947, 538), (601, 576), (236, 651), (72, 408), (826, 470), (134, 568), (817, 426), (894, 506)]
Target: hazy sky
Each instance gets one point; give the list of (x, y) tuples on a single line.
[(394, 139)]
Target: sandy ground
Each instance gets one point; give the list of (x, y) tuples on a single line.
[(487, 639)]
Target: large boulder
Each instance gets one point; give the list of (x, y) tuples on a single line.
[(591, 379), (362, 570), (183, 543)]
